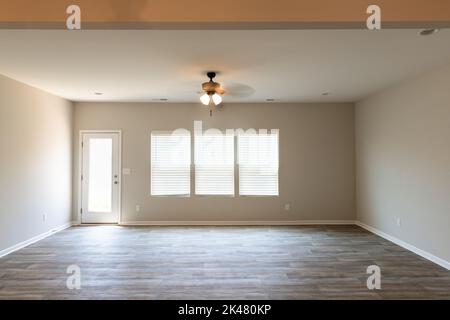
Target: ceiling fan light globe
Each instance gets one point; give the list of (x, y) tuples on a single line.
[(205, 99), (217, 99)]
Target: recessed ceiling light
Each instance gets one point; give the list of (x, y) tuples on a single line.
[(270, 100), (326, 94), (428, 32), (160, 99), (98, 93)]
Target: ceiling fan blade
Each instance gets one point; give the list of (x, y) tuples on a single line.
[(220, 90), (239, 90)]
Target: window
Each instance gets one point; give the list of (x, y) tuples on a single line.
[(258, 163), (170, 163), (214, 163)]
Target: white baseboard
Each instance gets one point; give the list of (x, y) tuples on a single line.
[(407, 246), (238, 223), (37, 238)]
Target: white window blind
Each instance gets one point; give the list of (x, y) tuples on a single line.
[(258, 163), (214, 163), (170, 163)]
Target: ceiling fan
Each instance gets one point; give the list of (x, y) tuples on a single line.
[(213, 91)]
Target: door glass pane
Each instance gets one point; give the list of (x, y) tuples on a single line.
[(100, 175)]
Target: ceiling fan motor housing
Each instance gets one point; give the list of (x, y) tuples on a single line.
[(210, 87)]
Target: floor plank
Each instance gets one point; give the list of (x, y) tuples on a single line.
[(297, 262)]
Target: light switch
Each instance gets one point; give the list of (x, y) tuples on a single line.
[(126, 171)]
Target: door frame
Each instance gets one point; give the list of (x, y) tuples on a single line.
[(80, 171)]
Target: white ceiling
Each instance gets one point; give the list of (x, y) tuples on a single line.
[(287, 65)]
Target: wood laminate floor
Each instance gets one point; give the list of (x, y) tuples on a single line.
[(304, 262)]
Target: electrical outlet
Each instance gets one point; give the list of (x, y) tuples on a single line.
[(138, 208), (44, 216), (399, 222), (287, 207)]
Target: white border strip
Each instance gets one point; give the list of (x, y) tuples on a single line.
[(238, 223), (37, 238), (401, 243)]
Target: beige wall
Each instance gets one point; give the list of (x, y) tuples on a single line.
[(316, 159), (35, 162), (403, 162)]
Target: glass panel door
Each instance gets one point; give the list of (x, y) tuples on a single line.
[(100, 178)]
